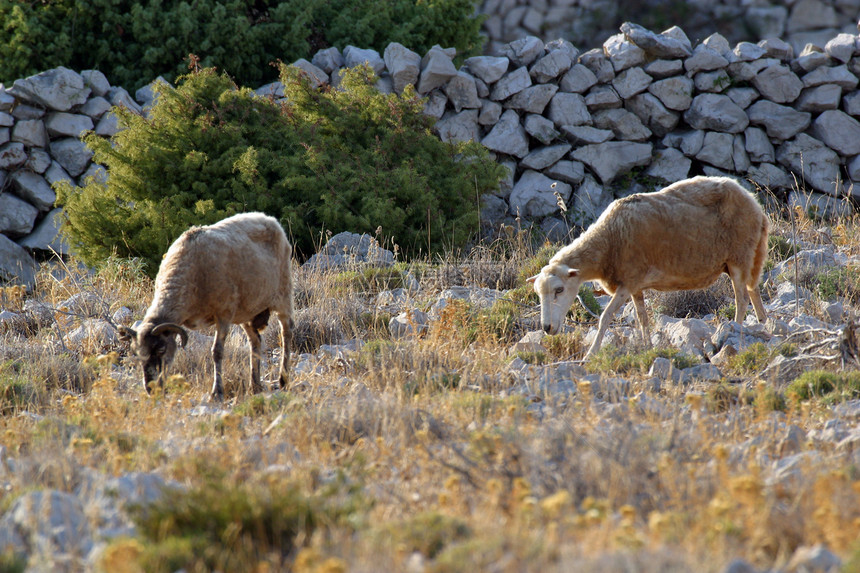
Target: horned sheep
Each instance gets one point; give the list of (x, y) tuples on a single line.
[(236, 271), (682, 237)]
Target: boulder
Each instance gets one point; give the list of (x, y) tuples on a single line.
[(610, 159), (16, 264), (59, 89), (403, 65), (534, 196), (508, 136)]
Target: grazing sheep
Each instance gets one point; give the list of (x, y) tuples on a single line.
[(682, 237), (236, 271)]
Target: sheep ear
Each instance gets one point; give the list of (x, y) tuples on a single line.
[(532, 279), (572, 272), (126, 334)]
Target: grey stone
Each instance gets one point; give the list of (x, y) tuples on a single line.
[(773, 46), (493, 209), (839, 75), (95, 107), (596, 61), (653, 113), (508, 136), (626, 125), (409, 323), (489, 69), (510, 84), (540, 128), (108, 125), (62, 124), (120, 97), (610, 159), (718, 43), (689, 142), (839, 131), (46, 235), (842, 47), (758, 145), (817, 558), (590, 200), (59, 89), (820, 205), (778, 84), (781, 122), (675, 93), (716, 112), (353, 56), (533, 99), (631, 82), (820, 98), (717, 150), (851, 103), (578, 79), (24, 111), (316, 76), (30, 132), (436, 69), (656, 45), (96, 81), (33, 188), (462, 92), (16, 264), (456, 127), (348, 249), (542, 157), (586, 134), (16, 215), (747, 52), (534, 196), (568, 109), (602, 97), (524, 51), (744, 97), (435, 104), (403, 64), (664, 69), (811, 15), (6, 120), (568, 171), (813, 162), (704, 59), (550, 66), (623, 53), (712, 82), (810, 58), (39, 161), (669, 165), (491, 111), (72, 154), (330, 59), (55, 173)]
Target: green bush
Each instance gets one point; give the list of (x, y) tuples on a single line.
[(134, 42), (339, 160), (833, 387)]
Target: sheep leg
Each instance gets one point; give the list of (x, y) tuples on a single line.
[(618, 299), (642, 316), (286, 340), (254, 343), (755, 296), (740, 294), (217, 356)]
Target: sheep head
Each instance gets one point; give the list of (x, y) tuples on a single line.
[(557, 286), (155, 346)]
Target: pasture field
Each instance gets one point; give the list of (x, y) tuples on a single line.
[(452, 450)]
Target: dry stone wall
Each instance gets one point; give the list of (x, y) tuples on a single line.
[(588, 22), (571, 126)]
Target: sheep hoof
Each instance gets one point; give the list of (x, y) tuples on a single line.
[(216, 396)]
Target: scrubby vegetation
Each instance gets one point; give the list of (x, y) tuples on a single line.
[(432, 450), (350, 159), (133, 42)]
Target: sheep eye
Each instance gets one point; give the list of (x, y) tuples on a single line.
[(559, 290)]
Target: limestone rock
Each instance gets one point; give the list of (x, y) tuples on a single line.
[(59, 89)]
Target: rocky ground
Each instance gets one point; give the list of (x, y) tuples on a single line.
[(473, 440)]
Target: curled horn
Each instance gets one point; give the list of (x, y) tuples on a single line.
[(532, 279), (171, 328)]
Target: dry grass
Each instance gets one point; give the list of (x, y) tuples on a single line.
[(417, 454)]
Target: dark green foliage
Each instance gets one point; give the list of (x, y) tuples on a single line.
[(231, 528), (839, 282), (133, 42), (337, 160), (832, 386)]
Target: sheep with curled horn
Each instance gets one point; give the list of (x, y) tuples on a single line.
[(236, 271), (680, 238)]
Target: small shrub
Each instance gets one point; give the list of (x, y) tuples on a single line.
[(842, 282), (428, 533), (262, 404), (610, 359), (757, 356), (831, 386), (564, 346), (531, 357), (779, 248)]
